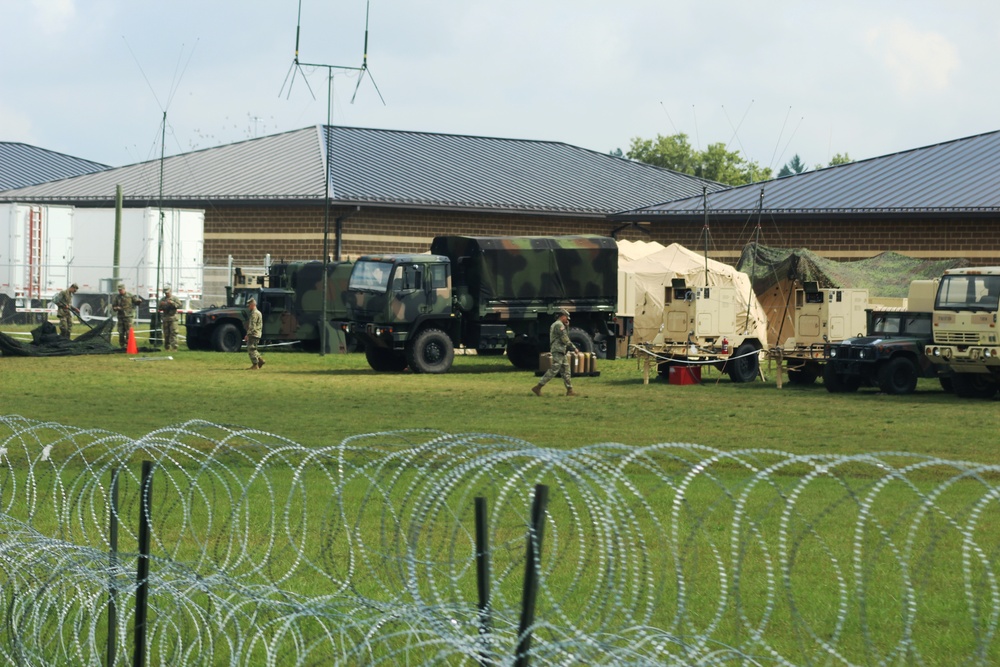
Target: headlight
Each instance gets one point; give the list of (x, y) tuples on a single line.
[(833, 352), (862, 353)]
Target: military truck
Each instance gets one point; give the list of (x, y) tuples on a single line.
[(289, 298), (821, 316), (487, 294), (891, 355), (966, 337), (701, 327)]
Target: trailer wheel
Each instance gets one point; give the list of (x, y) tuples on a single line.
[(581, 339), (226, 338), (973, 385), (523, 356), (747, 366), (384, 360), (836, 383), (898, 376), (430, 352)]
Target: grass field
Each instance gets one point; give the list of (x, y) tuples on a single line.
[(318, 401)]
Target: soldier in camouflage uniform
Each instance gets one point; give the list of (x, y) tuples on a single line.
[(124, 305), (254, 329), (167, 308), (65, 309), (559, 344)]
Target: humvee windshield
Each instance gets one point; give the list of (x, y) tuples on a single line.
[(371, 275), (240, 297)]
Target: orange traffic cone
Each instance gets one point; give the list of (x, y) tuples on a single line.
[(131, 349)]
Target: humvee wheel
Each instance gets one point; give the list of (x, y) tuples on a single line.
[(973, 385), (747, 366), (523, 356), (805, 375), (430, 352), (836, 383), (384, 360), (226, 338), (898, 376)]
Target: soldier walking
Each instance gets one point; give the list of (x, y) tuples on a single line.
[(254, 329), (123, 304), (559, 344), (65, 309), (167, 307)]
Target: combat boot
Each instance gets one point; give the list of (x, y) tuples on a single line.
[(260, 363), (252, 368), (537, 389), (570, 392)]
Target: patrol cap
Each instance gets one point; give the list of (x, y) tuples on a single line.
[(121, 285), (563, 311), (251, 300), (166, 289), (74, 286)]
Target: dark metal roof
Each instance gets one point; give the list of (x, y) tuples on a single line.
[(21, 165), (387, 167), (955, 177)]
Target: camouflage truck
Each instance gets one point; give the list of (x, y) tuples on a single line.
[(966, 337), (289, 299), (821, 316), (487, 294), (891, 356)]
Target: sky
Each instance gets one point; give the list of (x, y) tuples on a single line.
[(769, 79)]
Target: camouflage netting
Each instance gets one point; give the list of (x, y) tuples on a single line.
[(46, 342), (777, 272)]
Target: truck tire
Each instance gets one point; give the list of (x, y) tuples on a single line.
[(580, 339), (384, 360), (523, 356), (836, 383), (973, 385), (226, 338), (430, 352), (747, 366), (898, 377)]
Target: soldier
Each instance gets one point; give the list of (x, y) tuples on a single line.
[(65, 309), (254, 328), (559, 343), (167, 307), (124, 305)]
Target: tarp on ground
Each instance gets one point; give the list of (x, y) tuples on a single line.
[(46, 342), (777, 272), (644, 277)]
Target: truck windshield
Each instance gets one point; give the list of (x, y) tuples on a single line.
[(371, 275), (968, 292)]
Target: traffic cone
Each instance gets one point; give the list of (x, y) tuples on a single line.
[(131, 349)]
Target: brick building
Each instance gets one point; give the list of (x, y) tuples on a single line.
[(389, 191), (936, 202)]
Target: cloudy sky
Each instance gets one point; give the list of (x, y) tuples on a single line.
[(771, 79)]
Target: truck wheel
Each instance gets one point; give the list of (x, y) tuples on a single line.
[(581, 339), (523, 356), (836, 383), (805, 375), (973, 385), (384, 360), (747, 366), (226, 338), (897, 376), (431, 352)]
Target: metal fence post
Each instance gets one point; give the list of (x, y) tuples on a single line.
[(532, 563)]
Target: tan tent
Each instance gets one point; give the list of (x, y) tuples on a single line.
[(644, 276)]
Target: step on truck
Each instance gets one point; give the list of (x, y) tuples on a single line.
[(891, 355), (821, 316), (290, 300), (966, 335), (701, 327), (487, 294)]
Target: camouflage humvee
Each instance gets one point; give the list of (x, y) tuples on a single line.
[(489, 294), (292, 307)]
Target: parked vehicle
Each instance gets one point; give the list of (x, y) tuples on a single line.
[(966, 337), (290, 299), (488, 294), (36, 248)]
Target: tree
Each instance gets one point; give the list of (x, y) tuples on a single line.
[(616, 153), (794, 166), (837, 159), (715, 163)]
